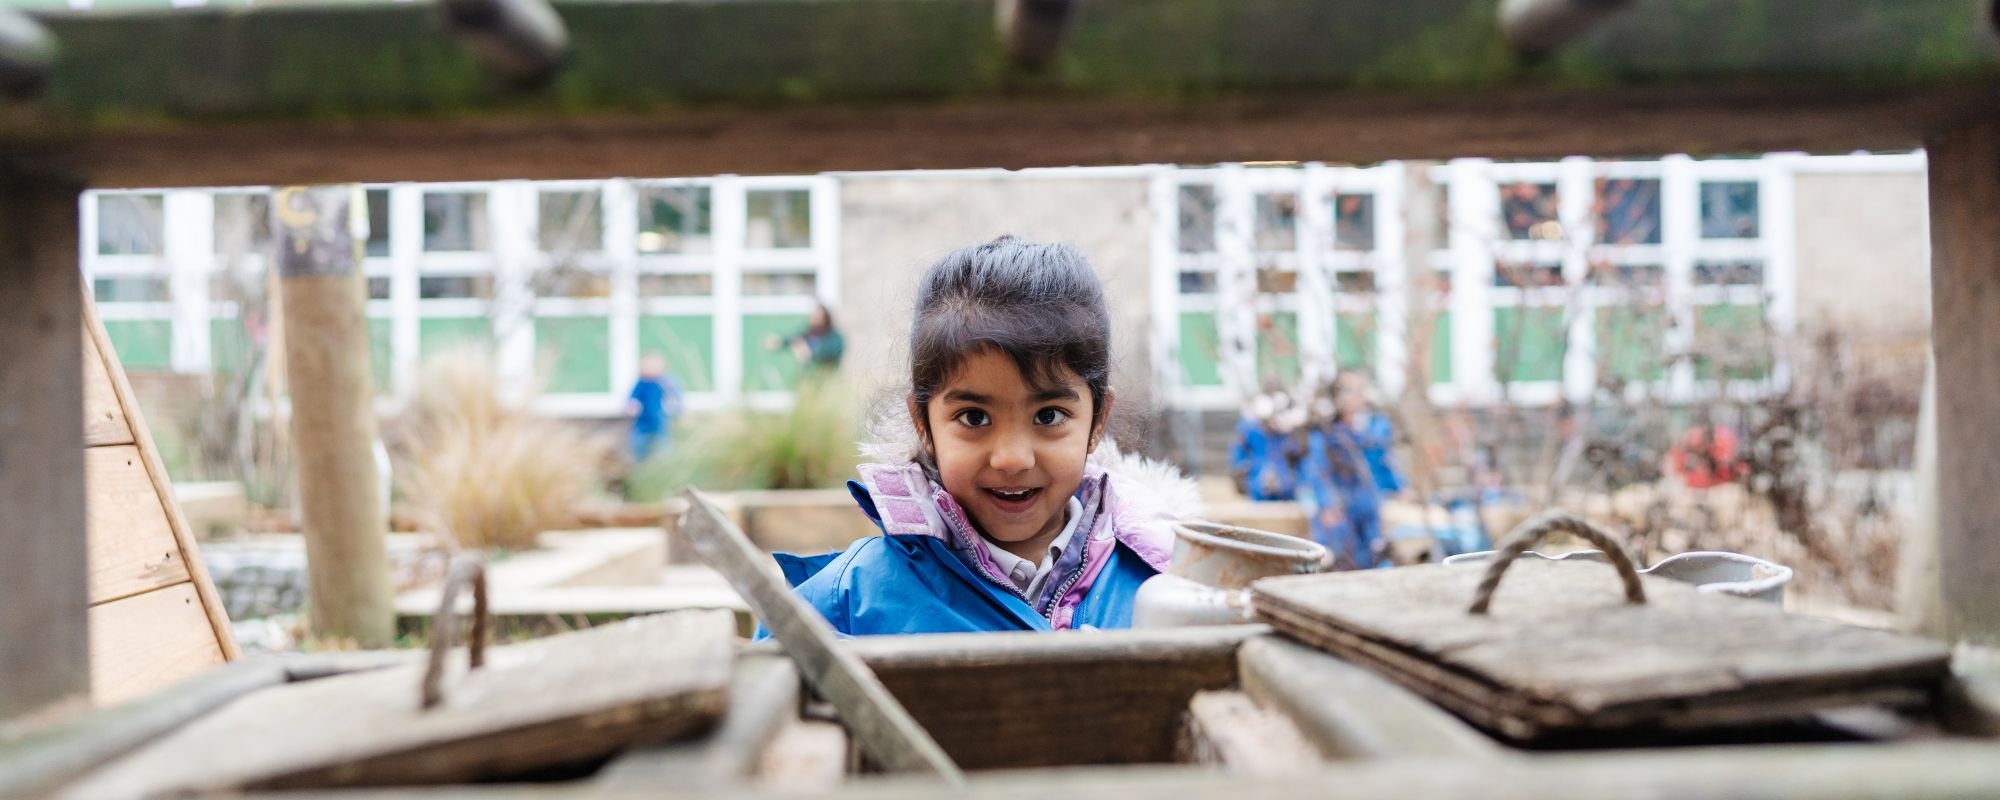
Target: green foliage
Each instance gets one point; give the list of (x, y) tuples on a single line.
[(810, 445)]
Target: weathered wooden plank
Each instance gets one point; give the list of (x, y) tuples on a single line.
[(34, 763), (544, 703), (763, 700), (1139, 683), (882, 727), (1965, 286), (1228, 729), (1350, 712), (103, 418), (148, 641), (132, 546), (1952, 769), (163, 488), (806, 756), (44, 580), (1562, 652)]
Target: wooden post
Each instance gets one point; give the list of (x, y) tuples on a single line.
[(333, 415), (1965, 333), (44, 595)]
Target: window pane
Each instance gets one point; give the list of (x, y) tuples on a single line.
[(1729, 210), (378, 223), (1527, 275), (675, 285), (570, 281), (1729, 273), (242, 224), (1197, 219), (765, 368), (799, 284), (571, 222), (454, 287), (1731, 342), (1200, 349), (1354, 222), (378, 287), (687, 342), (673, 219), (1633, 276), (576, 351), (1277, 221), (1631, 342), (1530, 211), (1357, 281), (1277, 281), (778, 220), (1354, 339), (1628, 211), (1197, 282), (441, 334), (132, 289), (131, 224), (455, 222), (1278, 347), (142, 344)]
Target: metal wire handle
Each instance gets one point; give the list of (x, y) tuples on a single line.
[(1532, 532), (465, 568)]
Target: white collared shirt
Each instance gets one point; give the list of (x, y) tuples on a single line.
[(1028, 576)]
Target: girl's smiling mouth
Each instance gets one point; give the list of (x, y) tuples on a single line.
[(1014, 500)]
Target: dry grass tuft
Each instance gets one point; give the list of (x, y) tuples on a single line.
[(486, 469)]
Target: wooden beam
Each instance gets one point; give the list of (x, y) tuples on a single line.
[(1350, 712), (522, 41), (26, 51), (340, 92), (1542, 26), (44, 578), (882, 727), (333, 415), (1965, 332), (1032, 30)]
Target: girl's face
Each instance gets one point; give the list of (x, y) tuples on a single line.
[(1011, 455)]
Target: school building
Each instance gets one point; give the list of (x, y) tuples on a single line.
[(1540, 281)]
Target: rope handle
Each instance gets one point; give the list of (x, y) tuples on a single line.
[(465, 568), (1532, 532)]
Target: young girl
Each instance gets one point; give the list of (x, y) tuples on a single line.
[(1005, 506)]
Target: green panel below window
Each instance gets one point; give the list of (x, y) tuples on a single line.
[(1441, 348), (766, 369), (1278, 347), (1201, 349), (142, 343), (1533, 349), (1354, 340), (687, 342), (577, 351), (1631, 343), (440, 334), (1732, 337), (381, 358), (228, 346)]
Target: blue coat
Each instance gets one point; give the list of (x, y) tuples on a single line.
[(914, 584)]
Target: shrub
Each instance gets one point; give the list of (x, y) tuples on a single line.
[(810, 445), (486, 469)]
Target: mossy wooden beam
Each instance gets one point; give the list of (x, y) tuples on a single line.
[(923, 83)]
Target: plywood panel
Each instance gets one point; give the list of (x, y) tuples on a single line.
[(144, 642), (103, 418), (132, 546)]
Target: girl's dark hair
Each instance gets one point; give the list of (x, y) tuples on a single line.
[(1040, 304)]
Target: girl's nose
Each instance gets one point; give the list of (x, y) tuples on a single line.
[(1012, 453)]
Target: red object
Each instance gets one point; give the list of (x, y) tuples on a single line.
[(1706, 456)]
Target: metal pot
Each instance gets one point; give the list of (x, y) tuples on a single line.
[(1208, 581)]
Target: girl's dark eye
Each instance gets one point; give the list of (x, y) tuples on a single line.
[(1051, 416), (974, 418)]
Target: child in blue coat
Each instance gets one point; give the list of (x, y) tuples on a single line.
[(1007, 508)]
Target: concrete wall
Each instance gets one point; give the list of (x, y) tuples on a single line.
[(1862, 257), (895, 225)]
